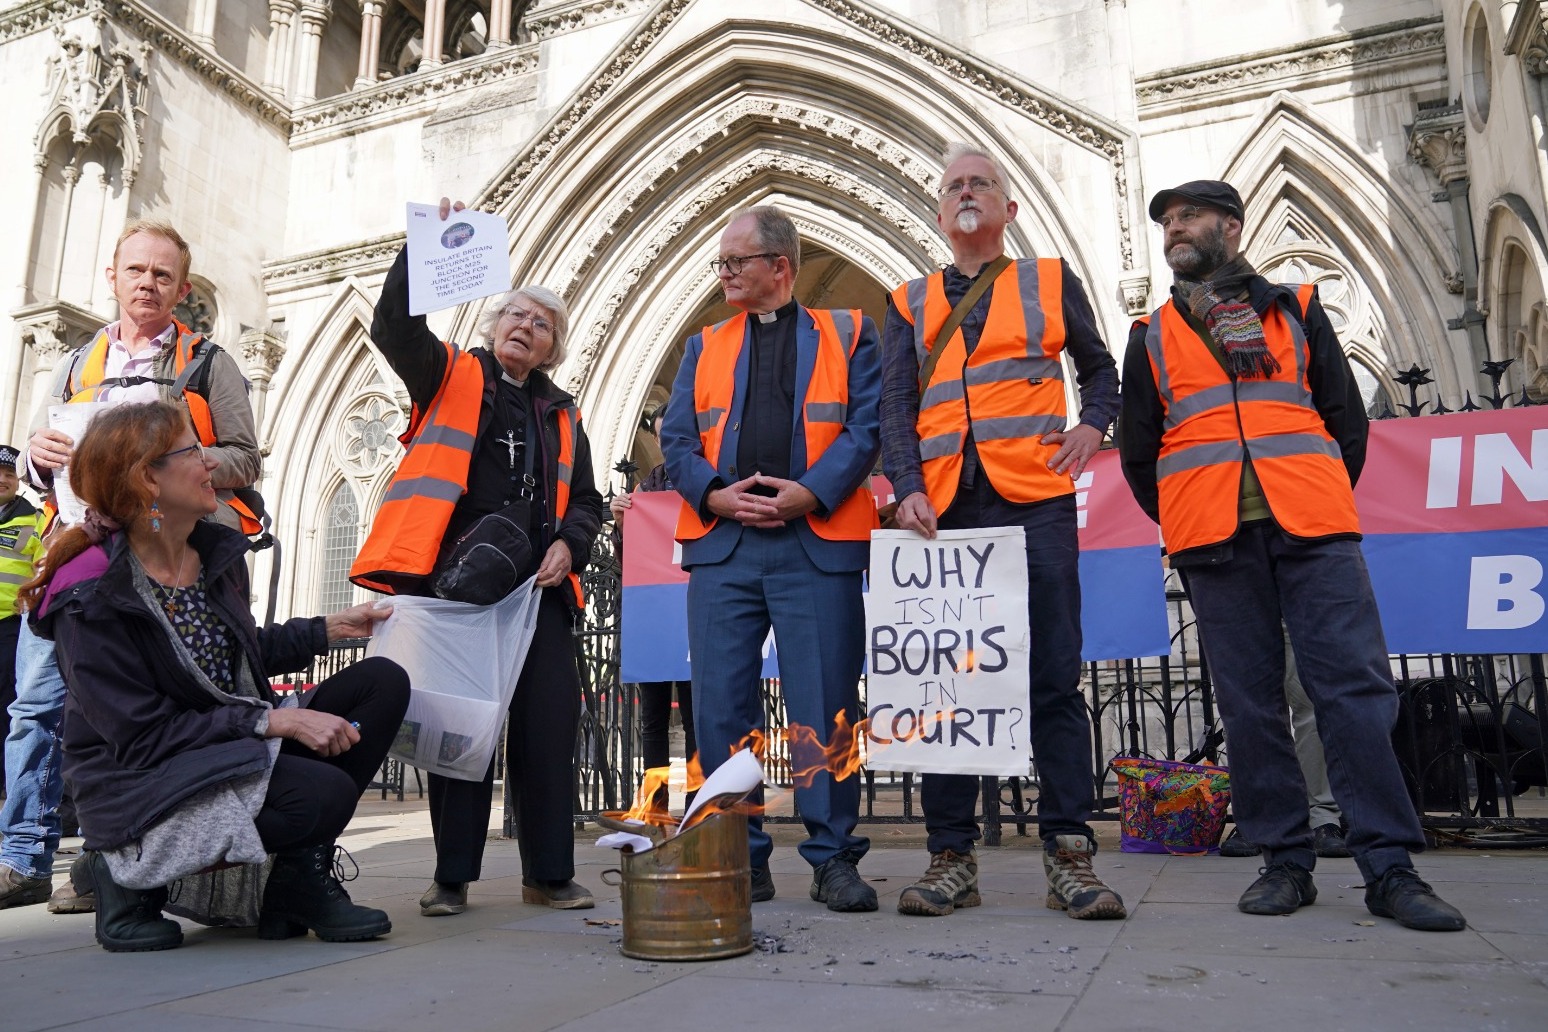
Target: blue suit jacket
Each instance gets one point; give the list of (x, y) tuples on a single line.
[(843, 467)]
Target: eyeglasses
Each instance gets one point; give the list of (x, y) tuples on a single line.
[(196, 448), (521, 315), (1184, 217), (976, 185), (733, 263)]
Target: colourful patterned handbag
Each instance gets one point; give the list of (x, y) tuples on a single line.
[(1170, 807)]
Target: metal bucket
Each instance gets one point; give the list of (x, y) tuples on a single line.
[(690, 898)]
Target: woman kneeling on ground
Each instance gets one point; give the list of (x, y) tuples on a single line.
[(178, 760)]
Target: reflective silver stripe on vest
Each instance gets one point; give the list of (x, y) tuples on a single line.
[(433, 488), (1038, 368), (1281, 445), (708, 418), (1158, 358), (1246, 390), (447, 435), (844, 323), (940, 392), (1031, 304), (1275, 446), (1003, 427), (15, 578), (825, 411), (916, 307), (940, 446)]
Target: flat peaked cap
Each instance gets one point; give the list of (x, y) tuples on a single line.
[(1209, 192)]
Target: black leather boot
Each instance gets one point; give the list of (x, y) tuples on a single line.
[(304, 893), (129, 920)]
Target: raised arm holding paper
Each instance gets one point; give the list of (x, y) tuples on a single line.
[(490, 423)]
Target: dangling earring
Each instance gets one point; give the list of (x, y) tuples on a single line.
[(155, 518)]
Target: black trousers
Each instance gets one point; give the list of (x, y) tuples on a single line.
[(656, 726), (311, 798), (540, 761)]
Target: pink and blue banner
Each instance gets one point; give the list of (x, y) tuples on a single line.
[(1454, 510), (1123, 602)]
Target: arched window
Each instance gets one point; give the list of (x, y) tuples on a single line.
[(340, 542)]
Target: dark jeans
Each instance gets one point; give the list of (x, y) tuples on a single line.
[(540, 766), (656, 725), (1060, 722), (1322, 592), (311, 798), (819, 623)]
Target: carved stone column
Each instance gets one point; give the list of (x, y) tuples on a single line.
[(1527, 37), (435, 33), (1438, 141), (261, 354), (370, 43), (499, 23), (276, 68), (314, 18), (201, 21)]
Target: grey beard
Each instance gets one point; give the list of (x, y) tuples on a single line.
[(967, 221)]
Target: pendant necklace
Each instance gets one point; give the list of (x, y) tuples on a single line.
[(171, 598)]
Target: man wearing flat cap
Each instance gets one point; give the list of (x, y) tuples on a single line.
[(1242, 433)]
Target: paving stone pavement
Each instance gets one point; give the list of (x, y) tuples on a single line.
[(1184, 960)]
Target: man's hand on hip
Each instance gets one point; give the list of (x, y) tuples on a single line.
[(1076, 446)]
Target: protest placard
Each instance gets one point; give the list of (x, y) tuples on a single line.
[(71, 420), (947, 645), (461, 258)]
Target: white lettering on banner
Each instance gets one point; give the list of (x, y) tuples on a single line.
[(1082, 492), (1501, 593), (1445, 473), (1495, 457), (947, 652)]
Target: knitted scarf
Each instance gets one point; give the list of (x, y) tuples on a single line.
[(1234, 325)]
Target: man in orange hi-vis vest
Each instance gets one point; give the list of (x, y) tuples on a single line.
[(770, 437), (975, 434), (1242, 435), (144, 356)]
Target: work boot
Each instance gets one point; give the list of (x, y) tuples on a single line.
[(75, 895), (444, 899), (1399, 894), (1281, 888), (561, 895), (18, 890), (1074, 886), (129, 920), (838, 884), (762, 885), (951, 882), (304, 893)]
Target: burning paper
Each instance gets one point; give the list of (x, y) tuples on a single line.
[(733, 780)]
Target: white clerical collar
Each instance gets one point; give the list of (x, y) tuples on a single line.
[(508, 378), (768, 317)]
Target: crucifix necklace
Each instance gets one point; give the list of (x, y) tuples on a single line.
[(171, 598), (510, 442)]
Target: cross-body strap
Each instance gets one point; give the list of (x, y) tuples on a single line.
[(977, 290)]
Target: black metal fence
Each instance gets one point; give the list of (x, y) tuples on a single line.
[(1470, 737)]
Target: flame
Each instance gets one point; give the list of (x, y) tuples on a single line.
[(645, 808), (723, 804), (840, 757)]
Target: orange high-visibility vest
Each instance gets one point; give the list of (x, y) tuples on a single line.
[(1208, 417), (1010, 389), (823, 411), (409, 527), (83, 382)]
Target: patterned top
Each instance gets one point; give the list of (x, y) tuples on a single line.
[(203, 632)]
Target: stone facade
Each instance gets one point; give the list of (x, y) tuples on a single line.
[(1390, 151)]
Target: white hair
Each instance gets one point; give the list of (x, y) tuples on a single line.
[(545, 299), (957, 151)]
